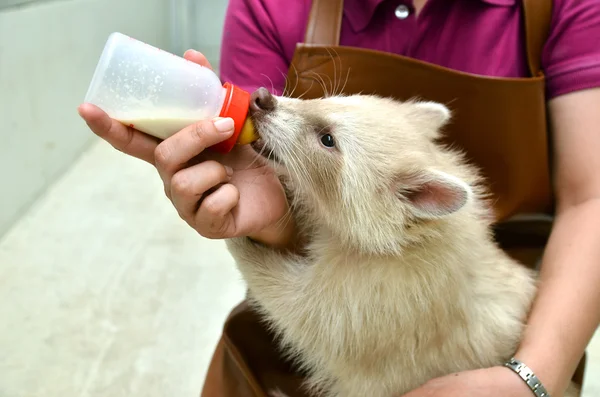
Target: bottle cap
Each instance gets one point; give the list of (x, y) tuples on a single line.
[(236, 104), (248, 134)]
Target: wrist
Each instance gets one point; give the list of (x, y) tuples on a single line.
[(281, 236), (528, 379), (547, 368)]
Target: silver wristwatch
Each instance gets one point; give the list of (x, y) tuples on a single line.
[(528, 376)]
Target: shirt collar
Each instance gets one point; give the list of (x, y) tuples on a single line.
[(360, 12)]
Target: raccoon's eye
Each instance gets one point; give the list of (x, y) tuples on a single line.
[(327, 140)]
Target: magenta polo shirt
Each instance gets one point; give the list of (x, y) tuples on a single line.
[(483, 37)]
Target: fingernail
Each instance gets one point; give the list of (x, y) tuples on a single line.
[(189, 52), (224, 125), (79, 110), (229, 170)]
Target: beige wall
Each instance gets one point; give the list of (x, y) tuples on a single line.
[(198, 24), (48, 51)]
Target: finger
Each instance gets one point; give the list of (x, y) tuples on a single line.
[(197, 57), (172, 154), (214, 218), (122, 138), (190, 184)]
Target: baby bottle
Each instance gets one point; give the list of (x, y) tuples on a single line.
[(160, 93)]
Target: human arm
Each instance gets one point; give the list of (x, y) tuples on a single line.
[(566, 311), (568, 302)]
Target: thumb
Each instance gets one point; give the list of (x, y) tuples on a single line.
[(197, 57)]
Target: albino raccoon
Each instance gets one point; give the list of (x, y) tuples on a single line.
[(400, 280)]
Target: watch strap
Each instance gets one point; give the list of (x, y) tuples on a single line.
[(528, 377)]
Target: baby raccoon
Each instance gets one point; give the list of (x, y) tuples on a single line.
[(400, 280)]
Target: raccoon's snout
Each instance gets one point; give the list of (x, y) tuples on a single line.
[(261, 101)]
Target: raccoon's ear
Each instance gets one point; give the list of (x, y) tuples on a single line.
[(433, 112), (435, 194)]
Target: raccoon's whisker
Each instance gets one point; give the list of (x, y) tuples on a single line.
[(292, 165), (346, 82), (332, 81), (285, 83), (285, 219), (272, 85), (307, 90), (258, 157), (335, 71), (321, 82), (295, 153), (286, 92), (297, 79)]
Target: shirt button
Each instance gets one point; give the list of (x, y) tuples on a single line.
[(402, 12)]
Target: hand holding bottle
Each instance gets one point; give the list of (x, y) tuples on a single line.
[(219, 195)]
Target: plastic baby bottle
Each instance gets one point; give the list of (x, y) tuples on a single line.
[(160, 93)]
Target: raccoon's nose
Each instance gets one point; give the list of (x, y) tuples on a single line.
[(261, 100)]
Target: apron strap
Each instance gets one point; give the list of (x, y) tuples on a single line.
[(538, 15), (325, 23)]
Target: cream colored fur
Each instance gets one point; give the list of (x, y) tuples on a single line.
[(391, 292)]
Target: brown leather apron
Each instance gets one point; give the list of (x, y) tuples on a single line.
[(500, 123)]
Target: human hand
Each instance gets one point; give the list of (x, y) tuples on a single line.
[(220, 196), (488, 382)]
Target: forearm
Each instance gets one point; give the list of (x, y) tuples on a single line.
[(566, 311)]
